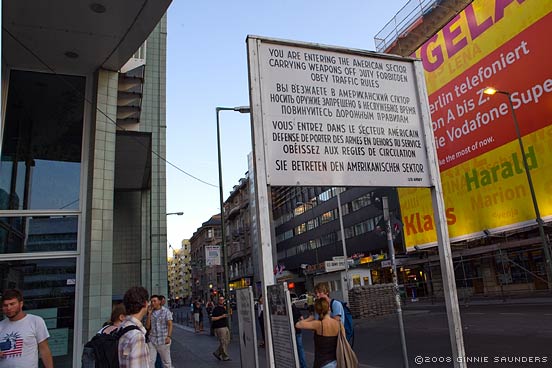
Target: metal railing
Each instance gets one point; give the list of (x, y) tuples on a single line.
[(405, 20)]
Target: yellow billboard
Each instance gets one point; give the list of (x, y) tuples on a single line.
[(491, 43)]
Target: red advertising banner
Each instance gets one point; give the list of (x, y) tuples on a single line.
[(502, 44)]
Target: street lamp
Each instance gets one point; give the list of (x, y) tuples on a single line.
[(241, 110), (344, 245), (175, 213), (545, 244)]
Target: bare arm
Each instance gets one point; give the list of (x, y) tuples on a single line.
[(148, 319), (169, 332), (308, 324), (219, 317), (46, 354)]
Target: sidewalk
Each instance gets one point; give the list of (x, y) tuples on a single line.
[(191, 349)]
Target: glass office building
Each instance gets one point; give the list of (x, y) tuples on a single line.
[(82, 198)]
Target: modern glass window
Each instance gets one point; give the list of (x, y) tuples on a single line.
[(38, 234), (48, 287), (40, 162)]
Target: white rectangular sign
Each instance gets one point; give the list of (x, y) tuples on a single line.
[(278, 306), (340, 118), (248, 328), (212, 255), (335, 265)]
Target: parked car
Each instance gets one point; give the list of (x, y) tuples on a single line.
[(301, 302)]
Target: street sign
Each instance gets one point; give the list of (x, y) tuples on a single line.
[(337, 117)]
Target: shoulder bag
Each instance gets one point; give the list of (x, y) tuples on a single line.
[(346, 357)]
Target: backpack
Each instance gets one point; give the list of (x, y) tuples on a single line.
[(347, 319), (102, 351)]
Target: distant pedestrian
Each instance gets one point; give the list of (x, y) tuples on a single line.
[(163, 301), (158, 360), (118, 315), (159, 322), (133, 350), (260, 318), (297, 316), (310, 303), (325, 330), (220, 325), (197, 315), (209, 307), (201, 315), (23, 337)]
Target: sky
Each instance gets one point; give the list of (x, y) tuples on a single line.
[(207, 68)]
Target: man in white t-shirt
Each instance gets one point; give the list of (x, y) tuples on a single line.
[(22, 336)]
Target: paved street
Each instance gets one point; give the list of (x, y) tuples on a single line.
[(490, 332)]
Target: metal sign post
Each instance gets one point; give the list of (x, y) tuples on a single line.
[(443, 240), (261, 191), (389, 232)]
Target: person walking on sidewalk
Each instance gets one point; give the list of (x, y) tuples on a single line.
[(132, 347), (260, 317), (24, 336), (196, 310), (220, 325), (159, 323)]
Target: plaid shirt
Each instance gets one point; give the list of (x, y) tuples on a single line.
[(133, 350), (159, 326)]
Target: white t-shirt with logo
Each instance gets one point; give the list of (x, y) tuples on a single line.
[(19, 341)]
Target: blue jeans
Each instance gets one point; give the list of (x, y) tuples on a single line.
[(158, 362), (332, 364), (300, 350)]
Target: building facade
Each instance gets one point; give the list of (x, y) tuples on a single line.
[(82, 198), (206, 259), (308, 235), (180, 274), (238, 236)]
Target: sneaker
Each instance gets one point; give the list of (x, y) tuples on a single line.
[(217, 356), (226, 359)]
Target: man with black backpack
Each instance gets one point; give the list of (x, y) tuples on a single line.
[(121, 345), (133, 350)]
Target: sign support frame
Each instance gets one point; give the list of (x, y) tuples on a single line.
[(443, 240), (263, 187)]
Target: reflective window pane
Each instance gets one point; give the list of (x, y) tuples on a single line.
[(42, 142), (38, 234), (48, 288)]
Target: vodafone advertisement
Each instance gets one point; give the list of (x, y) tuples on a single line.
[(504, 44)]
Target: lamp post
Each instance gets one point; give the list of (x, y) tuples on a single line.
[(545, 244), (241, 110), (344, 246)]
